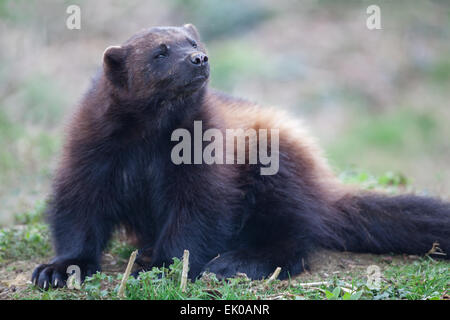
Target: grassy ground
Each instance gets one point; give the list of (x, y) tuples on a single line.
[(333, 275)]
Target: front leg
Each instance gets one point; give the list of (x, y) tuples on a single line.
[(79, 240), (82, 214)]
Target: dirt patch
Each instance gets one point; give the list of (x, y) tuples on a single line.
[(327, 262), (15, 276), (346, 265)]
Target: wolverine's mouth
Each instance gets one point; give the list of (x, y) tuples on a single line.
[(199, 78), (198, 81)]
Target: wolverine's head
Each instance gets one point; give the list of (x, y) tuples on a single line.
[(158, 61)]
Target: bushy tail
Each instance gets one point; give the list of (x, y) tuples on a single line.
[(376, 223)]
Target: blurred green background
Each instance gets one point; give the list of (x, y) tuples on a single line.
[(377, 100)]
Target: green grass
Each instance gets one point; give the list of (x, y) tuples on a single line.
[(29, 238), (24, 242), (425, 279), (401, 277)]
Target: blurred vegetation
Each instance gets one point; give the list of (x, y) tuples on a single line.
[(400, 132), (209, 16), (377, 100)]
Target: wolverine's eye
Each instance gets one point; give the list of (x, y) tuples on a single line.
[(160, 55), (162, 52)]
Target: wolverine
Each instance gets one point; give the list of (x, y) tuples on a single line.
[(116, 171)]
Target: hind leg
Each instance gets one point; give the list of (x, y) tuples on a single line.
[(277, 233), (143, 261), (259, 263)]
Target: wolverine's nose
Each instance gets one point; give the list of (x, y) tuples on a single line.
[(199, 58)]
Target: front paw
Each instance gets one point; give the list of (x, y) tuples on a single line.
[(55, 274)]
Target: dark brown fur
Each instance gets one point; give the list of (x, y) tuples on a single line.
[(116, 171)]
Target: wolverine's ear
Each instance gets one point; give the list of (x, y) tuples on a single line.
[(114, 59), (192, 30)]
